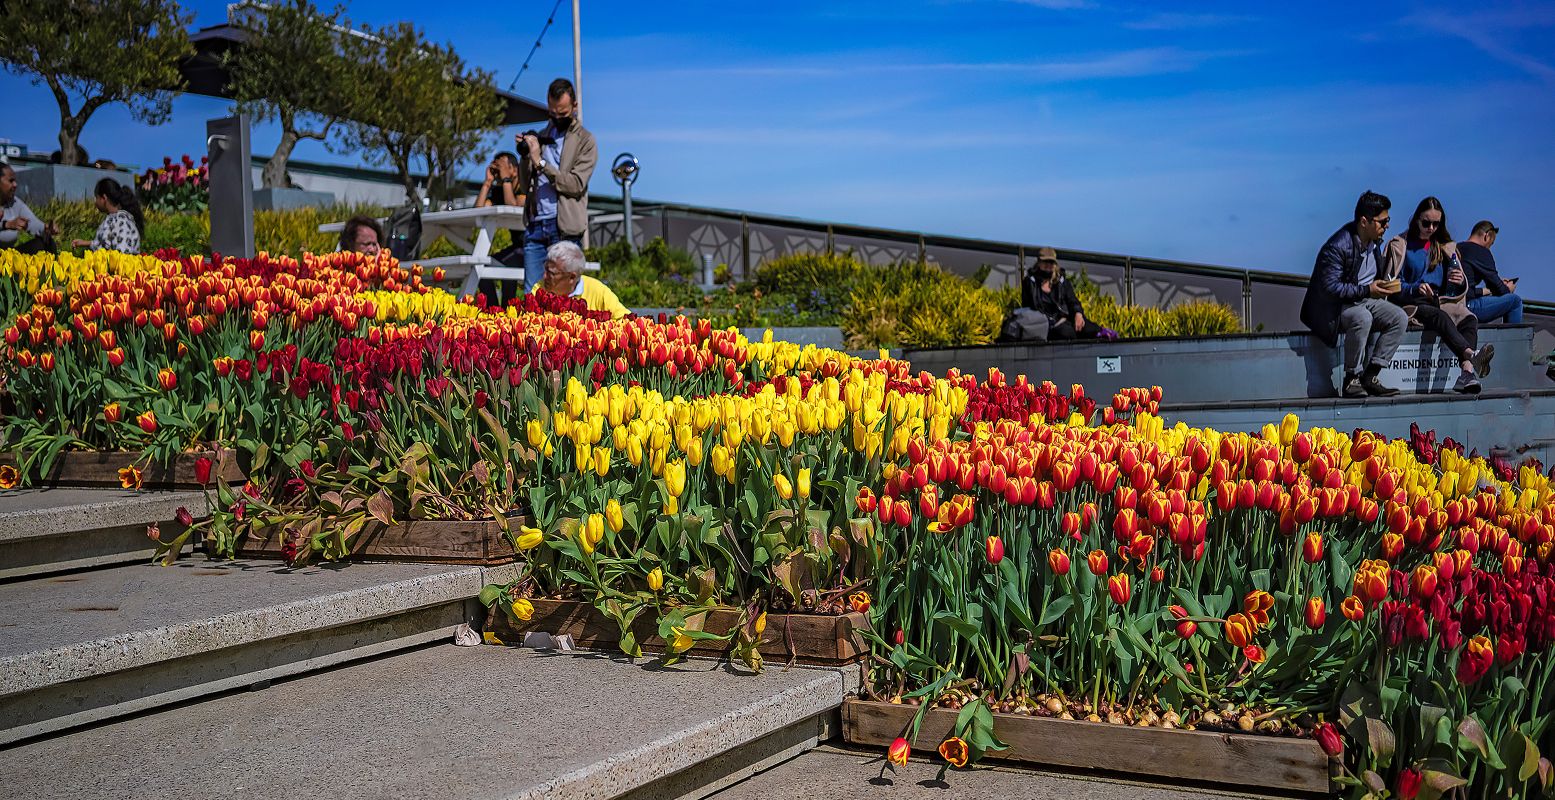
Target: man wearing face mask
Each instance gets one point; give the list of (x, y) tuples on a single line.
[(556, 166)]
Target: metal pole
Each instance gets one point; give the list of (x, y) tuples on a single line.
[(831, 241), (577, 61), (745, 246), (1128, 280), (1247, 300), (626, 200), (923, 250)]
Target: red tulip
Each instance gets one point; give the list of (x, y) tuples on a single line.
[(899, 753), (1118, 587), (113, 412), (1409, 782), (147, 422), (1316, 613), (256, 340), (1312, 548), (1098, 562), (202, 470), (865, 500), (1058, 561), (1352, 608), (1328, 738), (167, 378), (995, 548)]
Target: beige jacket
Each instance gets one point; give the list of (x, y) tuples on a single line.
[(1392, 266), (571, 178)]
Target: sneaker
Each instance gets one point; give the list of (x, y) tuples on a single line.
[(1481, 360), (1467, 384), (1352, 387), (1374, 387)]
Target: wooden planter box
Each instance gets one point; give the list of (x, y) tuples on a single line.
[(479, 542), (96, 469), (806, 638), (1269, 762)]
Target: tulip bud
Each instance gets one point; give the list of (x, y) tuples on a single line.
[(1097, 560), (613, 515), (995, 547), (1316, 613), (113, 413), (1118, 586), (522, 609), (803, 484), (167, 378), (785, 488), (1058, 561), (1312, 548), (1328, 738), (899, 753), (529, 537), (147, 422), (202, 469), (656, 579)]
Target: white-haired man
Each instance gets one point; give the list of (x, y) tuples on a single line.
[(564, 276)]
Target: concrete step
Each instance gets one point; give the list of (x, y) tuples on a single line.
[(91, 645), (1236, 367), (1518, 424), (855, 774), (53, 530), (445, 721)]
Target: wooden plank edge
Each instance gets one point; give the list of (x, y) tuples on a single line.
[(1284, 763)]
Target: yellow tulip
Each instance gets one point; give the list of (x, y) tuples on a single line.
[(601, 461), (595, 529), (656, 579), (804, 483), (529, 538), (613, 515), (761, 623), (522, 609), (785, 488), (671, 505), (675, 477), (680, 641), (536, 432)]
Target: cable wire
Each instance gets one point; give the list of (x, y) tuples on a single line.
[(551, 18)]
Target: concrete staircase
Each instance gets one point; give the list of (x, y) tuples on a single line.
[(245, 678)]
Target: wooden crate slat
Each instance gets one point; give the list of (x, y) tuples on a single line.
[(815, 639), (1226, 758), (479, 542), (100, 469)]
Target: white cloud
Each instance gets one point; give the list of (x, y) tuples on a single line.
[(1487, 33), (1176, 21)]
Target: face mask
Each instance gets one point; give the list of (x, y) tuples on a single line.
[(561, 123)]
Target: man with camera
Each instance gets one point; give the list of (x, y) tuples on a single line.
[(555, 166)]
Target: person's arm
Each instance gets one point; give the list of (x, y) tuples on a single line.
[(1072, 303), (510, 195), (484, 198), (25, 220), (573, 182), (1486, 267), (1330, 275), (1028, 298)]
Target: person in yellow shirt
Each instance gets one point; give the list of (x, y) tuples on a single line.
[(564, 276)]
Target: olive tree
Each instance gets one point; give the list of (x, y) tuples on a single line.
[(90, 53), (295, 66)]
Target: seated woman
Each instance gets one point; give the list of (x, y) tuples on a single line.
[(124, 224), (361, 235), (1424, 260), (1046, 290), (564, 276)]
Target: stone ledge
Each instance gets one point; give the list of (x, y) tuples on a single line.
[(482, 722), (35, 513), (81, 626)]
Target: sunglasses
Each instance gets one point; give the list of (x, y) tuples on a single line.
[(1430, 223)]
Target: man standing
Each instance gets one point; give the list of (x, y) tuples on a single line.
[(1497, 299), (16, 217), (557, 172), (1344, 296)]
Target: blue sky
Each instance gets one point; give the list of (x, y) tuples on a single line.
[(1235, 134)]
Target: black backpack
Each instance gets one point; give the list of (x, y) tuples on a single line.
[(404, 231)]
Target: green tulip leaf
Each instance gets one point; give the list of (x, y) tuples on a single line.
[(490, 592)]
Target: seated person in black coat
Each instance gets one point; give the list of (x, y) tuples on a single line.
[(1046, 290)]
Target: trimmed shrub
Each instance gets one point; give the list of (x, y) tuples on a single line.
[(919, 305)]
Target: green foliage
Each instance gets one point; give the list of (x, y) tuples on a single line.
[(266, 80), (1193, 318), (290, 232), (416, 99), (657, 276), (920, 305), (93, 52), (815, 285)]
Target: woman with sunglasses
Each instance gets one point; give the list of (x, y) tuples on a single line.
[(1424, 259)]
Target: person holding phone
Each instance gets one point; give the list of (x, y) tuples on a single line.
[(1433, 288), (1497, 298)]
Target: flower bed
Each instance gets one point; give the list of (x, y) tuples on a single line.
[(1013, 545)]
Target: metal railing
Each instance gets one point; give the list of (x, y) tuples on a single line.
[(1265, 300)]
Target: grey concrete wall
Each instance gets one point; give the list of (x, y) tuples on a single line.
[(1241, 367), (40, 184)]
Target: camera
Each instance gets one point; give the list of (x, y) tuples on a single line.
[(523, 146)]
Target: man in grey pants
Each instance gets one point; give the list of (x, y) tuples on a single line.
[(1345, 297)]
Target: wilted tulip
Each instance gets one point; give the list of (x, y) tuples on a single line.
[(955, 751)]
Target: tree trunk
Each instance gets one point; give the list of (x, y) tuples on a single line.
[(69, 148), (274, 175)]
